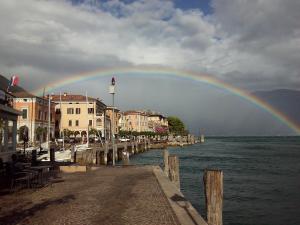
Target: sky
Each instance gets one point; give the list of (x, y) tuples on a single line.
[(253, 45)]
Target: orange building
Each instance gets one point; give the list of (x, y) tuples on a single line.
[(35, 115)]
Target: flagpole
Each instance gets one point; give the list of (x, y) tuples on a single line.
[(63, 133)]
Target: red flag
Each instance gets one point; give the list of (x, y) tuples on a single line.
[(14, 81)]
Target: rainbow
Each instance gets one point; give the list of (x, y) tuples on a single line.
[(206, 79)]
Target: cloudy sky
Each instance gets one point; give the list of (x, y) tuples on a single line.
[(254, 45)]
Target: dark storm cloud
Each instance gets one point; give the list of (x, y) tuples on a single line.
[(254, 45)]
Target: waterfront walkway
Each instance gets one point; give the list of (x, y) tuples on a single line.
[(108, 196)]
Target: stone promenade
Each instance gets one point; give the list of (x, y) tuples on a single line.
[(108, 196)]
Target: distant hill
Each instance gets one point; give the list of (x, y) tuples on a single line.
[(285, 100)]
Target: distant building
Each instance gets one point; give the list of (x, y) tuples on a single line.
[(117, 116), (157, 122), (134, 121), (78, 114)]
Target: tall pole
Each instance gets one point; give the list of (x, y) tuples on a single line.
[(63, 133), (49, 120), (112, 91), (113, 126), (87, 108)]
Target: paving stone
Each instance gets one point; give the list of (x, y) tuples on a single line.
[(108, 196)]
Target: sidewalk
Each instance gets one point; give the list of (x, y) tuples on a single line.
[(108, 196)]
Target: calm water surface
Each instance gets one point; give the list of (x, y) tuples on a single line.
[(261, 177)]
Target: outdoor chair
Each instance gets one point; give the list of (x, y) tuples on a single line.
[(21, 178)]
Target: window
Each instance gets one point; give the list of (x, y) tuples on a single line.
[(24, 113), (77, 123), (70, 123), (90, 110), (98, 122), (57, 111), (77, 110), (45, 116), (70, 111), (40, 114), (90, 122)]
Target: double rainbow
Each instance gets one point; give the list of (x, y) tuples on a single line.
[(148, 71)]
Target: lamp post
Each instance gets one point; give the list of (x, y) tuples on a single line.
[(112, 92)]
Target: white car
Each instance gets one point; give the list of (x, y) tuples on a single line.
[(124, 139)]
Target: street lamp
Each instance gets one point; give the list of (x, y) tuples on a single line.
[(112, 92)]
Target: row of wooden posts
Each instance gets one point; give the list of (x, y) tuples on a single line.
[(102, 155), (213, 187)]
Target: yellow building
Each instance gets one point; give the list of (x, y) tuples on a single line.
[(134, 121), (78, 113)]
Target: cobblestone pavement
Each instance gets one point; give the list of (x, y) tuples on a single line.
[(108, 196)]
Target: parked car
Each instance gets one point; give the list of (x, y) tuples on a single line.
[(124, 139)]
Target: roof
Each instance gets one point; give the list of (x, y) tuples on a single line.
[(115, 108), (16, 91), (71, 97), (133, 112), (156, 115), (74, 98), (6, 109)]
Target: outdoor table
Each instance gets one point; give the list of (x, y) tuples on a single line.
[(41, 170)]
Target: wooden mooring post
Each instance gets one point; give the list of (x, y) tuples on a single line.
[(52, 155), (213, 190), (166, 162), (173, 161), (125, 157)]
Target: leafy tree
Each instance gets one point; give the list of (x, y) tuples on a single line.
[(76, 133), (93, 131), (176, 126), (39, 133), (23, 131), (68, 133)]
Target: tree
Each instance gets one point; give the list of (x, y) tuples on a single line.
[(23, 132), (68, 133), (76, 133), (176, 126), (93, 131), (39, 133)]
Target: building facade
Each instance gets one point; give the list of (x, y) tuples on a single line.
[(117, 116), (134, 121), (8, 126), (79, 113), (34, 116), (158, 123)]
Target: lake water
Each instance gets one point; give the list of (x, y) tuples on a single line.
[(261, 177)]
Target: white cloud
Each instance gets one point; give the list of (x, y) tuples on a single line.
[(253, 44)]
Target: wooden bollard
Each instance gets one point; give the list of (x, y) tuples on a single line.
[(173, 161), (213, 190), (75, 157), (166, 162), (33, 158), (125, 157), (52, 155)]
